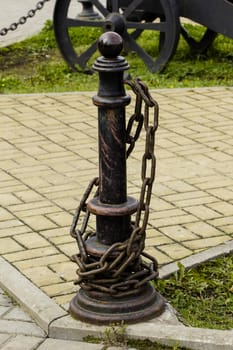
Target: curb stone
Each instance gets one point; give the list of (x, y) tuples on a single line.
[(196, 259), (39, 306)]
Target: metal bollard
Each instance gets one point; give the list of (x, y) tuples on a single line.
[(114, 279)]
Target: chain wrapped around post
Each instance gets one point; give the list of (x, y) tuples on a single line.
[(114, 271), (125, 254)]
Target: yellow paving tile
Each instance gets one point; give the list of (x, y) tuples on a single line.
[(69, 248), (41, 261), (5, 215), (227, 229), (8, 245), (64, 299), (181, 219), (42, 276), (160, 256), (224, 194), (56, 232), (29, 196), (31, 240), (166, 213), (10, 223), (61, 219), (29, 206), (39, 222), (226, 220), (7, 199), (222, 207), (58, 240), (66, 270), (196, 201), (206, 243), (157, 241), (67, 203), (60, 289), (36, 211), (14, 188), (184, 196), (203, 212), (203, 229), (176, 251), (31, 254), (178, 233)]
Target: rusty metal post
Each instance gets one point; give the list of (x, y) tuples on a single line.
[(97, 301)]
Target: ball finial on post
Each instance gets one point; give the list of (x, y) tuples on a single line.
[(111, 66), (110, 44)]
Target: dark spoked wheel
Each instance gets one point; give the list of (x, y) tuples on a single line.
[(134, 20), (199, 46)]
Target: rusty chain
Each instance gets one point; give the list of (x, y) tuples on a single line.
[(148, 159), (110, 274), (22, 20)]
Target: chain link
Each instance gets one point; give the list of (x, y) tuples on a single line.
[(78, 234), (148, 159), (117, 279), (135, 120), (22, 20)]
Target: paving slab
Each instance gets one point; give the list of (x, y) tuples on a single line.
[(17, 329), (22, 342)]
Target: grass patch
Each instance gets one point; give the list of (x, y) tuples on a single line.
[(36, 65), (203, 296)]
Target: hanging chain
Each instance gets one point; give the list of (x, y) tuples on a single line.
[(115, 277), (148, 159), (22, 20)]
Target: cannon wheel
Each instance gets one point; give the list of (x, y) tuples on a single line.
[(130, 23), (201, 46)]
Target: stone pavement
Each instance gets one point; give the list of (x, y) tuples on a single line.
[(16, 327), (19, 332), (49, 154)]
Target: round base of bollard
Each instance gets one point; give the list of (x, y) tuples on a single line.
[(131, 309)]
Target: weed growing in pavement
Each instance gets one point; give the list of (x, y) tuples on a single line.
[(115, 335)]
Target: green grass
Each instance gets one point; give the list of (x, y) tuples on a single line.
[(203, 296), (36, 65)]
